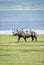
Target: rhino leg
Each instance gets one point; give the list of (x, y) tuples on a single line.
[(25, 39), (18, 38), (32, 38), (35, 38)]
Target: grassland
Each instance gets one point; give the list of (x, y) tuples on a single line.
[(21, 53)]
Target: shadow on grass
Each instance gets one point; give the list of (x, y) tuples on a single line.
[(22, 42), (27, 41)]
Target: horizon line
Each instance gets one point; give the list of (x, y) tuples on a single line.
[(19, 9)]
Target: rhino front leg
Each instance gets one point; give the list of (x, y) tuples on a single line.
[(25, 39), (18, 38)]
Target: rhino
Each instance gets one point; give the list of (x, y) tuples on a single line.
[(25, 34)]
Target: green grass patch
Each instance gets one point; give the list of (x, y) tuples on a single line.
[(13, 52)]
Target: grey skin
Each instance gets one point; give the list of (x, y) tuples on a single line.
[(25, 35)]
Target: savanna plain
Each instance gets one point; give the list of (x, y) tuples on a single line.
[(13, 52)]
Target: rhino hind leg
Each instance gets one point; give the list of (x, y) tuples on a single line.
[(32, 38), (35, 38)]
